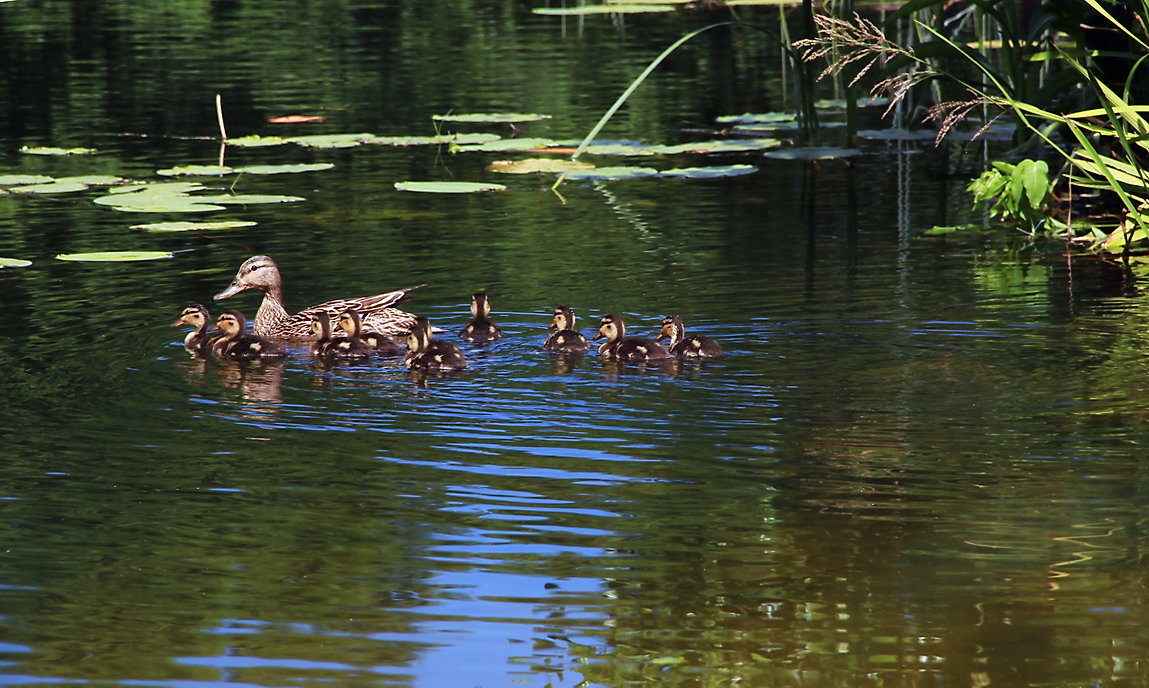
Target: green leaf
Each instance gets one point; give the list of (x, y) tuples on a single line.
[(245, 199), (495, 117), (196, 171), (719, 146), (331, 140), (941, 231), (898, 134), (534, 165), (710, 172), (16, 179), (448, 187), (502, 145), (602, 9), (192, 226), (284, 169), (58, 186), (256, 141), (115, 256), (14, 263), (51, 150), (780, 118), (812, 153), (614, 173), (94, 179), (438, 139)]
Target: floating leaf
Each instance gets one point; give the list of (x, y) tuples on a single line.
[(448, 187), (759, 118), (496, 117), (116, 256), (530, 165), (51, 150), (940, 231), (196, 171), (94, 179), (719, 146), (16, 179), (438, 139), (623, 148), (58, 186), (602, 9), (710, 172), (898, 134), (811, 153), (503, 145), (840, 103), (613, 173), (14, 263), (246, 199), (331, 140), (256, 141), (192, 226), (284, 169), (296, 119), (156, 188)]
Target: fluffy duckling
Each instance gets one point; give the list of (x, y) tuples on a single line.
[(425, 353), (619, 347), (480, 329), (565, 337), (327, 346), (237, 343), (199, 340), (380, 343), (683, 346)]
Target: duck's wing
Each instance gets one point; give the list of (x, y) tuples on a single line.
[(363, 305)]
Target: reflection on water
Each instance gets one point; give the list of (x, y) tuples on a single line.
[(918, 463)]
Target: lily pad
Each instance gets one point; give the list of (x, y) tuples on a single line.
[(898, 134), (779, 118), (438, 139), (285, 169), (530, 165), (614, 173), (942, 231), (840, 103), (331, 140), (116, 256), (94, 179), (192, 226), (620, 148), (196, 171), (504, 145), (157, 188), (55, 187), (14, 263), (256, 141), (812, 153), (448, 187), (713, 172), (52, 150), (246, 199), (720, 146), (494, 117), (602, 9), (17, 179)]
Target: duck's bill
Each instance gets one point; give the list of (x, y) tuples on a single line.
[(178, 323), (232, 289)]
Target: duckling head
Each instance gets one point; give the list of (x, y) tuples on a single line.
[(611, 327), (257, 272), (321, 324), (232, 323), (195, 315), (350, 323), (564, 319), (419, 336), (672, 328), (480, 306)]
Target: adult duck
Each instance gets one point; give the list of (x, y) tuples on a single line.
[(199, 340), (237, 343), (565, 337), (480, 329), (273, 321), (619, 347), (425, 353), (686, 346)]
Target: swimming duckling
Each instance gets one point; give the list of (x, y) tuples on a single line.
[(480, 329), (565, 337), (199, 340), (619, 347), (426, 353), (327, 346), (380, 343), (683, 346), (236, 342)]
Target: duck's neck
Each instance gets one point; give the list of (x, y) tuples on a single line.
[(271, 311)]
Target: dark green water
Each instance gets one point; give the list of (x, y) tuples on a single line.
[(920, 465)]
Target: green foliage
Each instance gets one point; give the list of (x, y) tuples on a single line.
[(1020, 193)]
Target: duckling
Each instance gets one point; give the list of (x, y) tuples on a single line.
[(426, 353), (237, 343), (565, 337), (480, 329), (327, 346), (683, 346), (380, 343), (199, 340), (619, 347)]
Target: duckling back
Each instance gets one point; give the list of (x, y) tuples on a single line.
[(481, 328), (425, 353)]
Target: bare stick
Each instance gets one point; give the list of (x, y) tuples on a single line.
[(219, 116)]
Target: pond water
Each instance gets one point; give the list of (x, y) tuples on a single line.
[(919, 464)]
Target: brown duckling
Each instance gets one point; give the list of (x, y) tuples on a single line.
[(328, 346), (237, 343), (619, 347), (480, 329), (380, 343), (683, 346), (199, 340), (426, 353), (565, 337)]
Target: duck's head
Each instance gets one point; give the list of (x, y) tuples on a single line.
[(419, 336), (564, 319), (350, 323), (611, 327), (672, 328), (321, 324), (195, 315), (257, 272), (480, 307), (231, 323)]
